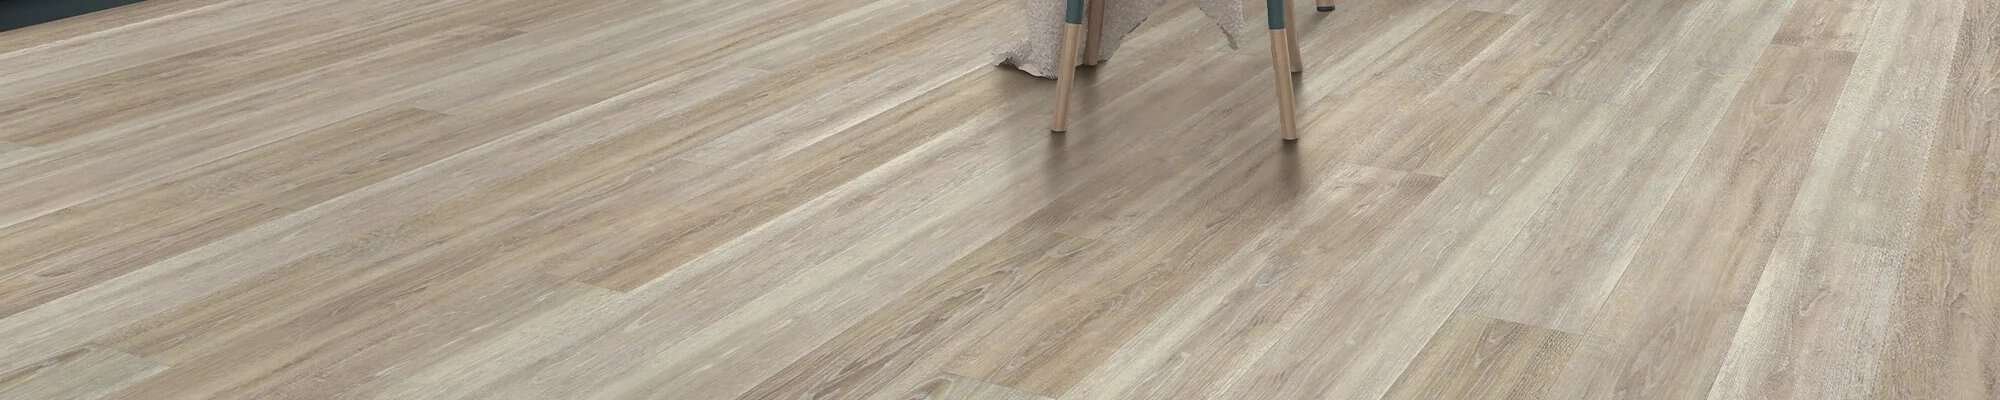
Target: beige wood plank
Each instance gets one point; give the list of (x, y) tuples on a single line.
[(1856, 202), (1888, 119), (81, 374), (1226, 319), (973, 155), (156, 32), (1662, 331), (730, 211), (1414, 69), (67, 251), (841, 199), (1638, 40), (770, 327), (1348, 47), (1473, 357), (1437, 132), (363, 224), (97, 23), (1941, 337), (1513, 7), (771, 246), (109, 162), (1568, 260), (1948, 300), (1815, 328), (9, 152), (1828, 24), (954, 387), (207, 74), (1902, 310), (389, 321), (1356, 340)]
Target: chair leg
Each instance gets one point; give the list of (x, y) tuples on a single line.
[(1066, 65), (1281, 65), (1323, 5), (1093, 32), (1298, 62)]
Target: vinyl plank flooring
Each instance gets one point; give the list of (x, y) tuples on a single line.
[(1355, 341), (1473, 357), (613, 199), (1809, 289), (1827, 24), (958, 387), (73, 249), (68, 173), (84, 373), (1637, 163), (1225, 322), (1438, 132), (1942, 344), (1661, 331), (1859, 257), (13, 151)]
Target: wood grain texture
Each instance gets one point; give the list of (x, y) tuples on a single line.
[(1473, 357), (953, 387), (1827, 24), (1660, 333), (844, 199), (1546, 278), (81, 374)]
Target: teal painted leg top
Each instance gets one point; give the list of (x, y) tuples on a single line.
[(1074, 13), (1276, 8)]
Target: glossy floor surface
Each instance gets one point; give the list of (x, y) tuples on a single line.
[(707, 199)]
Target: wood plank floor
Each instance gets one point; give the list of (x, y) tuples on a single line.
[(706, 199)]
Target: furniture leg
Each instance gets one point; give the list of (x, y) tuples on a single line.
[(1281, 67), (1298, 62), (1066, 77), (1093, 32), (1324, 5)]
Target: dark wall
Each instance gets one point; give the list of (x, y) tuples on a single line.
[(19, 13)]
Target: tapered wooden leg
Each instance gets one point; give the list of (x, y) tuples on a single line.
[(1281, 64), (1323, 5), (1093, 32), (1298, 62), (1288, 124), (1066, 79)]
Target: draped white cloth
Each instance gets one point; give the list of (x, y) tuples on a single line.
[(1035, 48)]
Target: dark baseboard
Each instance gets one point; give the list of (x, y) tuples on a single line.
[(20, 13)]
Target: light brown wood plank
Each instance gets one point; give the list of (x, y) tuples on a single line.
[(1412, 70), (1943, 342), (1887, 300), (1635, 42), (65, 174), (1435, 133), (1888, 119), (13, 151), (609, 199), (748, 329), (1542, 281), (1663, 330), (797, 253), (67, 251), (1786, 346), (1355, 341), (81, 374), (1224, 321), (954, 387), (1473, 357), (1828, 24), (96, 23)]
